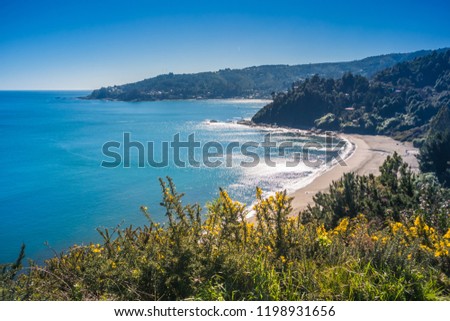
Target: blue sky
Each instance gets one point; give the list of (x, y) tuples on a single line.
[(88, 44)]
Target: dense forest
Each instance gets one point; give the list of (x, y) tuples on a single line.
[(399, 101), (252, 82)]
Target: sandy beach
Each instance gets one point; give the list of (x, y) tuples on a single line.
[(370, 152)]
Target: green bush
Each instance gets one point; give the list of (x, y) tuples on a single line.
[(435, 152)]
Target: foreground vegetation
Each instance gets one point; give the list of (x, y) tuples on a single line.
[(369, 238)]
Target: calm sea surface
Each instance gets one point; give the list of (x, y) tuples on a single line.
[(54, 190)]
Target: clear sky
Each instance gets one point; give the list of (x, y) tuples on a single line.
[(88, 44)]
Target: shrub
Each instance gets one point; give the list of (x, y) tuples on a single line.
[(357, 244)]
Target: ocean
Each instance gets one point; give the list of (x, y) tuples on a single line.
[(63, 175)]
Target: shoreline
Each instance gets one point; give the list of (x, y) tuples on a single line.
[(368, 155), (363, 155)]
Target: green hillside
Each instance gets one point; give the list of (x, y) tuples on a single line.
[(399, 101), (252, 82)]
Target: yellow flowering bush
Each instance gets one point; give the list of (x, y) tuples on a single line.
[(232, 252)]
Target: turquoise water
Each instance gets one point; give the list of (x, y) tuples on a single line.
[(54, 190)]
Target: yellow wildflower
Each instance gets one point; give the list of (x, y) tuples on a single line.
[(425, 248), (322, 236), (342, 227), (321, 231), (396, 227), (441, 252), (324, 240), (413, 231), (418, 222), (258, 193), (447, 235), (135, 273), (283, 259)]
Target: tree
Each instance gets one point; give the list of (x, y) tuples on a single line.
[(435, 156), (435, 153)]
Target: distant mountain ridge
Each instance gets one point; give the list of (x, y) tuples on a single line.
[(251, 82)]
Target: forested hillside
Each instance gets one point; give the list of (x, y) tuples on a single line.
[(252, 82), (399, 101)]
